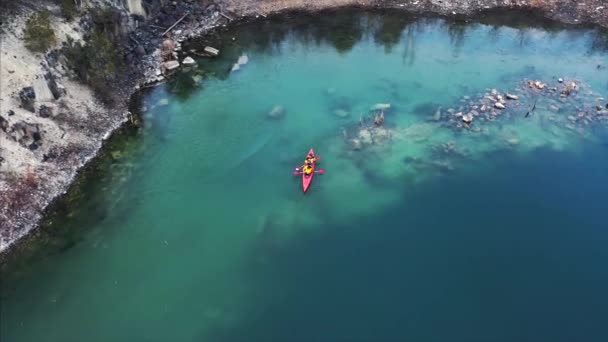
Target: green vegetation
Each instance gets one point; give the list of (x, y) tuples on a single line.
[(39, 35), (68, 9), (99, 62)]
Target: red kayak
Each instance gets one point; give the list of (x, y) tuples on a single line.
[(307, 179)]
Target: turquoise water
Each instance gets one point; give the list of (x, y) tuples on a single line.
[(208, 236)]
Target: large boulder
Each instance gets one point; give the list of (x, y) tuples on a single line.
[(170, 66), (28, 97)]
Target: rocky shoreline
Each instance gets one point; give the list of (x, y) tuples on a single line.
[(151, 48)]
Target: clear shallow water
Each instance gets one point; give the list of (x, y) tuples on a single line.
[(208, 237)]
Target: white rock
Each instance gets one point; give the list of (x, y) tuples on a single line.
[(467, 118), (188, 61), (236, 67), (277, 112), (171, 65), (243, 60), (211, 51), (512, 97), (499, 105), (560, 80)]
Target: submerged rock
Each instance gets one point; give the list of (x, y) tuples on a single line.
[(243, 60), (437, 116), (467, 118), (381, 106), (277, 112), (341, 113), (365, 136)]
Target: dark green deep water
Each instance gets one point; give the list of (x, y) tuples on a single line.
[(194, 228)]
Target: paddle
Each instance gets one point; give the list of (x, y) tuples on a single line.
[(317, 171)]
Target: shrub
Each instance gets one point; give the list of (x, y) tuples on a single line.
[(39, 35), (99, 62), (68, 9)]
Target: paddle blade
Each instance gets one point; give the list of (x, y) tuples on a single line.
[(320, 171), (297, 173)]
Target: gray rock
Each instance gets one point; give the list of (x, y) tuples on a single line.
[(45, 112), (56, 88), (28, 97), (140, 51), (3, 123), (11, 112)]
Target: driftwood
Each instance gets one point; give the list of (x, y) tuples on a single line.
[(172, 26), (156, 26), (225, 16)]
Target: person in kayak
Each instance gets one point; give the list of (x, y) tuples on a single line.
[(308, 162), (310, 159), (308, 169)]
